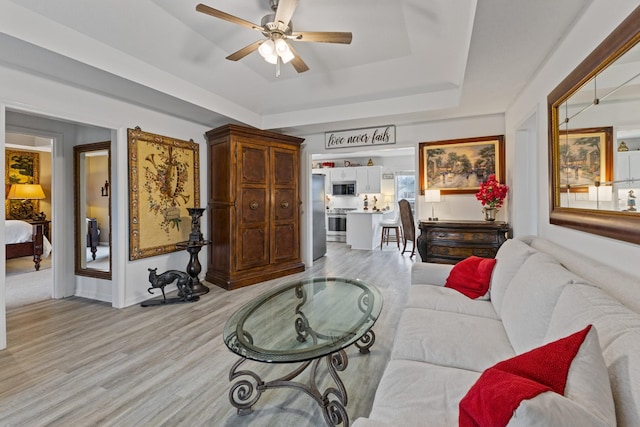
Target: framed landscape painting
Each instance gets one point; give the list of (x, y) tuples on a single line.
[(459, 166), (585, 156), (164, 180)]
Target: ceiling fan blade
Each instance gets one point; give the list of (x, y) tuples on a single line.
[(245, 51), (285, 10), (322, 37), (230, 18), (298, 63)]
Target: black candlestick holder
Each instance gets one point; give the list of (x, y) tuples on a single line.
[(193, 246), (195, 236)]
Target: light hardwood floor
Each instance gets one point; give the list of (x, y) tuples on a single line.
[(83, 363)]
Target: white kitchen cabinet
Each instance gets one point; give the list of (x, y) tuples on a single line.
[(343, 174), (363, 229), (628, 168), (369, 179)]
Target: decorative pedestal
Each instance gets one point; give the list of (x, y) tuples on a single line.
[(193, 246), (194, 267)]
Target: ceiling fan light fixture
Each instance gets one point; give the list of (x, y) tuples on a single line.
[(281, 46), (287, 55), (267, 49), (271, 59)]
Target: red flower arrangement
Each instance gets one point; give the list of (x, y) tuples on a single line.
[(492, 193)]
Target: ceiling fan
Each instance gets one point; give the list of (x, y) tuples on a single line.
[(277, 29)]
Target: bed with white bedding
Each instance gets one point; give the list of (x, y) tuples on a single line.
[(24, 239)]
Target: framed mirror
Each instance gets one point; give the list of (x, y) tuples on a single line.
[(92, 213), (594, 139)]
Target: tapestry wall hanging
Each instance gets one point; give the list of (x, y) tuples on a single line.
[(164, 180), (21, 167)]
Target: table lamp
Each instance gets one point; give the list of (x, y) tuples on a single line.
[(26, 193), (432, 196), (387, 200)]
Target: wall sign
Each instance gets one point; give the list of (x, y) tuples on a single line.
[(382, 135)]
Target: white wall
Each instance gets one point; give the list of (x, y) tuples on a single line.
[(597, 22), (34, 95)]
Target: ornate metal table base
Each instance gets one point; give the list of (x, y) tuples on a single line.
[(246, 392), (365, 343), (328, 316)]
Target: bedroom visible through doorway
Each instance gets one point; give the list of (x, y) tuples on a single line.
[(28, 161)]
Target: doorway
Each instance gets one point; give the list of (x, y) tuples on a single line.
[(28, 165), (65, 135)]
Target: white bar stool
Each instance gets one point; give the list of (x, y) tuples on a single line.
[(387, 226)]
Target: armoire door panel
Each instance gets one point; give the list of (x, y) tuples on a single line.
[(253, 248), (285, 167), (253, 205), (285, 242), (254, 164), (284, 205)]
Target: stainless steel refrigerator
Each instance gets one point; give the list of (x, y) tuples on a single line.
[(318, 215)]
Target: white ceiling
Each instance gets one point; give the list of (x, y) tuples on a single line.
[(410, 60)]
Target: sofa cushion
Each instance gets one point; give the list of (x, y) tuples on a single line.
[(429, 273), (446, 299), (530, 299), (563, 380), (412, 393), (450, 339), (619, 334), (620, 285), (510, 257), (471, 277)]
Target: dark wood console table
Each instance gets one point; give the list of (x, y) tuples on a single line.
[(447, 242)]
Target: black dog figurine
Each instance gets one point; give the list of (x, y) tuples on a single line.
[(185, 286)]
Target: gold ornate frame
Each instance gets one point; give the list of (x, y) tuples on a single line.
[(616, 225), (485, 155), (15, 175), (569, 142), (164, 180)]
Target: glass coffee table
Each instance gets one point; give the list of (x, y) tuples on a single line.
[(303, 322)]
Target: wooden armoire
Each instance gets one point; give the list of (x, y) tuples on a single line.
[(254, 206)]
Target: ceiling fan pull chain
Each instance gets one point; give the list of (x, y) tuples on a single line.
[(278, 66)]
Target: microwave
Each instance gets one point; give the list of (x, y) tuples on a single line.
[(346, 188)]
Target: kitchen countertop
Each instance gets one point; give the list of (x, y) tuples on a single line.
[(362, 211)]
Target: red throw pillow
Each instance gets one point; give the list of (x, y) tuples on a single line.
[(555, 384), (471, 276)]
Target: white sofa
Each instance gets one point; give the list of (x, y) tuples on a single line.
[(539, 292)]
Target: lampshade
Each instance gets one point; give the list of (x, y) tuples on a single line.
[(602, 193), (267, 48), (287, 55), (281, 46), (26, 191), (432, 195)]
